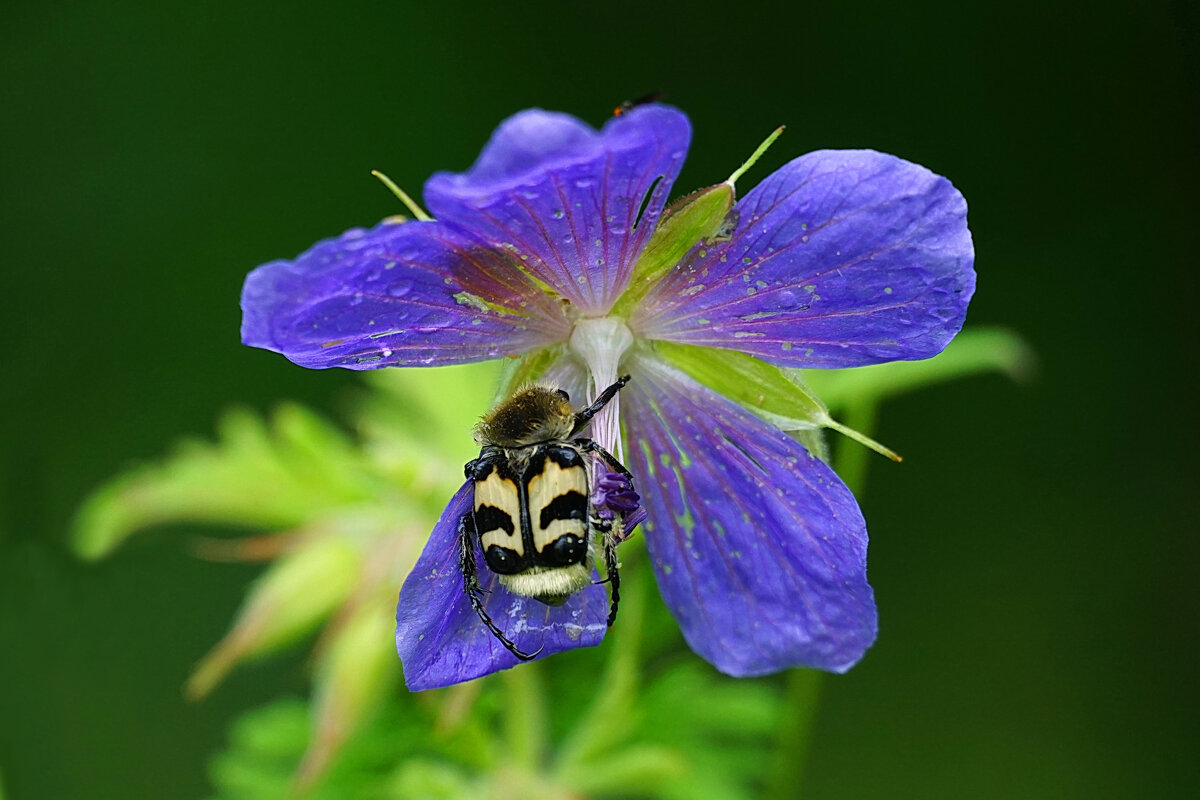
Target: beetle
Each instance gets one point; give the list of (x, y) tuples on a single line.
[(534, 515)]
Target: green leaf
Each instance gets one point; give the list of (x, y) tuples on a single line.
[(721, 726), (435, 404), (355, 675), (253, 476), (429, 779), (639, 770), (265, 747), (606, 726), (974, 351), (296, 593)]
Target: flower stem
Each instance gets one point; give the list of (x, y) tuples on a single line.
[(802, 692), (525, 732), (802, 688), (851, 459)]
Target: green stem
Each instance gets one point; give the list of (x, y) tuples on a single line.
[(802, 690), (607, 723), (525, 732)]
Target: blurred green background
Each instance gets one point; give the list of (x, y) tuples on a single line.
[(1034, 558)]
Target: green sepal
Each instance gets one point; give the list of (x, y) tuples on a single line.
[(777, 394), (516, 372), (686, 222), (973, 351)]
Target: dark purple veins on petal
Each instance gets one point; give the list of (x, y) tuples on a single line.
[(416, 293), (758, 547), (841, 258), (440, 638), (574, 205)]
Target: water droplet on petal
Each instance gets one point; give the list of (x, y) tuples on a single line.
[(558, 213), (400, 288)]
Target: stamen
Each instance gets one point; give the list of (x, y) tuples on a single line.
[(416, 210), (757, 154)]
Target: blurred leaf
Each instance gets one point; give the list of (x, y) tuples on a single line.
[(516, 372), (973, 351), (262, 752), (252, 476), (639, 770), (431, 780), (266, 745), (611, 719), (294, 596), (722, 726), (432, 404), (355, 675)]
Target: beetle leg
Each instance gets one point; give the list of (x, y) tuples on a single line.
[(466, 558)]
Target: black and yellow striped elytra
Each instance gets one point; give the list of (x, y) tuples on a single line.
[(533, 515)]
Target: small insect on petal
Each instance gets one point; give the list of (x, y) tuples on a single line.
[(521, 549)]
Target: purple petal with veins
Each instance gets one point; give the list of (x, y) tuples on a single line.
[(758, 547), (574, 205), (841, 258), (416, 293)]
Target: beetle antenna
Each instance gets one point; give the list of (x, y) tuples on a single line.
[(474, 591), (582, 418)]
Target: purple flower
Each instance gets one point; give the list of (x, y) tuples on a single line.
[(838, 259)]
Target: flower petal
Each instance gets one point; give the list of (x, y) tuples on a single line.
[(417, 293), (566, 198), (441, 639), (841, 258), (758, 547)]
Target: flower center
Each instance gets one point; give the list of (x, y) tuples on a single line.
[(600, 343)]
